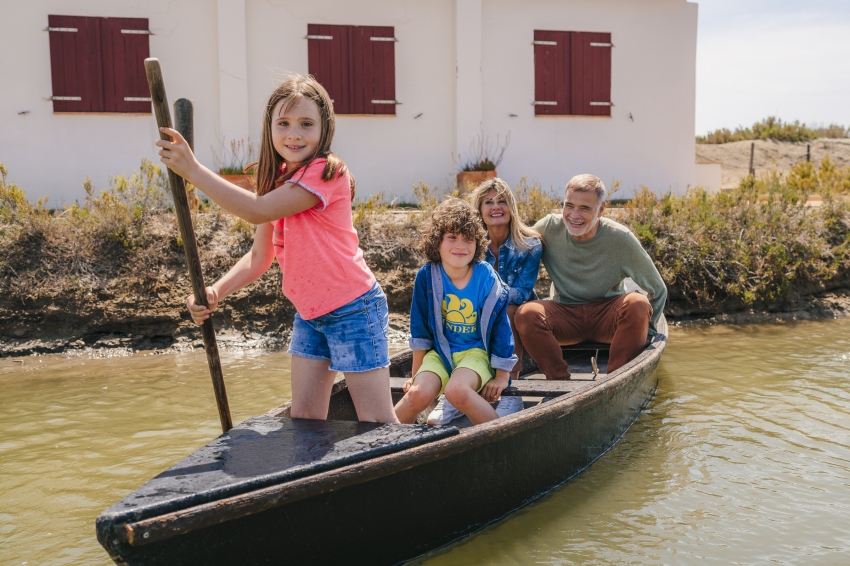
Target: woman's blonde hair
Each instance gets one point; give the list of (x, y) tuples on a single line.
[(292, 90), (520, 232)]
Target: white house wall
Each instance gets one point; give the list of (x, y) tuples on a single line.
[(653, 79), (385, 153), (51, 154)]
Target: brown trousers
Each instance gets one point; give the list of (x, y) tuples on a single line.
[(544, 326)]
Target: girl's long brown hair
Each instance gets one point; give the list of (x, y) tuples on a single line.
[(292, 90)]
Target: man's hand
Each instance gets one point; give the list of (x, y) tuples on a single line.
[(493, 389)]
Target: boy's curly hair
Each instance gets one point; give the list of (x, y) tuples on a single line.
[(455, 216)]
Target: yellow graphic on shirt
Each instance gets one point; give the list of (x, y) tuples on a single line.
[(459, 315)]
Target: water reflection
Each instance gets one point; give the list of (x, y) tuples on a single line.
[(79, 434), (742, 456)]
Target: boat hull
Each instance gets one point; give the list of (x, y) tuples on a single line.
[(417, 502)]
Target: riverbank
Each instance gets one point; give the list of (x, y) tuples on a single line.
[(141, 305), (109, 276)]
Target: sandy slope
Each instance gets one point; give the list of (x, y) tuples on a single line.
[(769, 154)]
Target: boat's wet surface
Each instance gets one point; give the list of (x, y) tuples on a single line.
[(742, 456), (265, 451)]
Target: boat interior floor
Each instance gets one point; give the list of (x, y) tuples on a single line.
[(264, 451)]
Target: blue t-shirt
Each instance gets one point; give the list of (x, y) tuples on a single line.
[(461, 311)]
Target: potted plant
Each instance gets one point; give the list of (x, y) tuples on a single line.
[(484, 157), (231, 166)]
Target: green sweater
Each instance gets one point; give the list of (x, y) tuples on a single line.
[(594, 270)]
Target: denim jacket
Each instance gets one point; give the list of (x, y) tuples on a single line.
[(518, 268), (426, 328)]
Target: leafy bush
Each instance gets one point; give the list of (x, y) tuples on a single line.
[(532, 202), (80, 244), (365, 212), (753, 245), (769, 128), (832, 131)]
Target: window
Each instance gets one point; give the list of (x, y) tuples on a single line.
[(572, 73), (356, 65), (97, 64)]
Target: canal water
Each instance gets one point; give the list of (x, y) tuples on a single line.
[(743, 456)]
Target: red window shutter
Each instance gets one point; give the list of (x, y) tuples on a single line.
[(75, 63), (378, 60), (124, 55), (327, 61), (551, 72), (591, 74), (355, 69)]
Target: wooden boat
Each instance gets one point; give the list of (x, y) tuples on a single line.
[(276, 490)]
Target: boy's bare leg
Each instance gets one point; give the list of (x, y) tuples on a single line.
[(425, 389), (462, 392), (311, 388), (370, 391)]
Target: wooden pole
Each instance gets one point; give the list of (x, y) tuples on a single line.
[(808, 153), (190, 244), (752, 154)]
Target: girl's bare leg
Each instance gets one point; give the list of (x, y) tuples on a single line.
[(462, 392), (424, 390), (311, 388), (370, 391)]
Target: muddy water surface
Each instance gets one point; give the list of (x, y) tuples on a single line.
[(742, 457)]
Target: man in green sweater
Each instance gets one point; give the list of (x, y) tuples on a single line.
[(588, 257)]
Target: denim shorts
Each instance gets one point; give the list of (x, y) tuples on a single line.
[(353, 337)]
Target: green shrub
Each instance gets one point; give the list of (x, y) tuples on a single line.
[(365, 211), (533, 203), (769, 128), (47, 249), (754, 244)]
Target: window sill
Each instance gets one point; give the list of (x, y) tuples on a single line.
[(570, 116), (76, 113)]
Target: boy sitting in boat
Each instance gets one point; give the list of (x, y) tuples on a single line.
[(460, 334)]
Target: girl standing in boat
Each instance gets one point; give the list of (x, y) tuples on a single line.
[(514, 252), (460, 334), (302, 209)]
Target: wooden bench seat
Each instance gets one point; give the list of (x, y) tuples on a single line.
[(525, 387)]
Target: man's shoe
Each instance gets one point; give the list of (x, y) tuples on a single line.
[(443, 413), (508, 406)]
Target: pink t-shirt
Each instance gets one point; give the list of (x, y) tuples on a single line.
[(318, 249)]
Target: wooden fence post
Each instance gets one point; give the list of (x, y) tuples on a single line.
[(752, 154), (184, 122)]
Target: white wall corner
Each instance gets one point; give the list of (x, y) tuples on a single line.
[(232, 71), (468, 86)]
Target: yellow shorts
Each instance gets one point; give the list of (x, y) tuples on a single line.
[(475, 359)]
